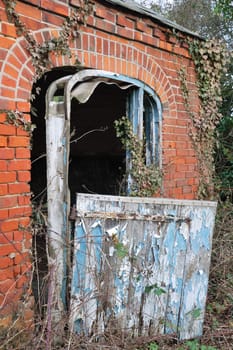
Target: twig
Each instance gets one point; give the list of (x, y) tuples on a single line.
[(102, 129), (49, 306), (75, 140)]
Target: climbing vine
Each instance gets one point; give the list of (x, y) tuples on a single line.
[(144, 179), (40, 53), (17, 119), (210, 59)]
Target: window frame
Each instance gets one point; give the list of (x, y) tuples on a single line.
[(140, 115)]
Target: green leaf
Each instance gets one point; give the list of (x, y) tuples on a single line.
[(196, 313), (122, 252), (155, 289), (153, 346)]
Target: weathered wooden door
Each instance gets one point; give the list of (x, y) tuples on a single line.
[(141, 265)]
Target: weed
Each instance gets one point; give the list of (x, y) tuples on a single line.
[(195, 345), (155, 289), (153, 346)]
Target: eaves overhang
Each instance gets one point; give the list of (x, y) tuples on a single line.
[(154, 16)]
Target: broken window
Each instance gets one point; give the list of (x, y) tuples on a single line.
[(97, 159)]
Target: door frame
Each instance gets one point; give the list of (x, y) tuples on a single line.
[(58, 115)]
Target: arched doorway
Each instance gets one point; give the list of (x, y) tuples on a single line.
[(84, 155)]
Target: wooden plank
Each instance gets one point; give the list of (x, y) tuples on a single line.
[(56, 209), (196, 273), (132, 216), (57, 152), (142, 276)]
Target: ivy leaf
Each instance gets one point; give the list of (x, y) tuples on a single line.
[(155, 289), (122, 252)]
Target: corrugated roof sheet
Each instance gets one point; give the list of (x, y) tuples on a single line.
[(134, 6)]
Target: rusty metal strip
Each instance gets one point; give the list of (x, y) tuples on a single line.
[(133, 216)]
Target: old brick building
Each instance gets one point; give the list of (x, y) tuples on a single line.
[(129, 45)]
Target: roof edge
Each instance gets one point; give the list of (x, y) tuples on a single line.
[(135, 7)]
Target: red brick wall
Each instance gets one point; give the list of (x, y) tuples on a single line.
[(114, 40), (15, 210)]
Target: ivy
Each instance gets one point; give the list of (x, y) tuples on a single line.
[(17, 119), (146, 179), (121, 250), (224, 8), (210, 59), (40, 53), (155, 289)]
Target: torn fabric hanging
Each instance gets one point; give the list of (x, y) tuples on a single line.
[(84, 90)]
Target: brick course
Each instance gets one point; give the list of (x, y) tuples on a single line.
[(115, 40)]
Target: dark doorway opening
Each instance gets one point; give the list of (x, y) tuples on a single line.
[(97, 159), (38, 152)]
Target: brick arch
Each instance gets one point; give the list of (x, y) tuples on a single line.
[(17, 73), (108, 53), (93, 51)]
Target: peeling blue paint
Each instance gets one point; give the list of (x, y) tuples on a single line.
[(79, 273), (172, 257), (169, 242), (194, 298), (97, 234), (200, 239), (181, 243), (79, 326), (119, 284), (138, 247), (64, 146), (154, 251), (64, 278)]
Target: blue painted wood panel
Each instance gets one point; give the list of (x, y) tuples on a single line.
[(141, 265)]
